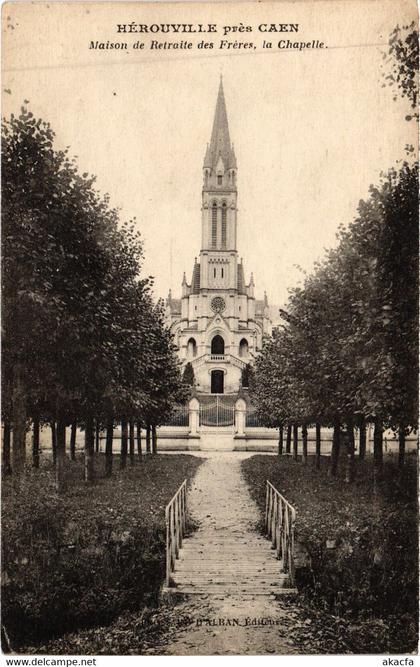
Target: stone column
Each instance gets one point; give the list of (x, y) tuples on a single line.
[(240, 412), (194, 408)]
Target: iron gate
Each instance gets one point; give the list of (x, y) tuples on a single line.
[(217, 413), (179, 416), (251, 417)]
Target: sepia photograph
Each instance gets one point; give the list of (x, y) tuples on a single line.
[(209, 405)]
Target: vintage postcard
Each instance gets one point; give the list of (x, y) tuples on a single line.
[(209, 329)]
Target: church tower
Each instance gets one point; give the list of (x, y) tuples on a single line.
[(218, 324), (218, 255)]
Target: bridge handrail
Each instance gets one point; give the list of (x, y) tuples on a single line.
[(176, 521), (280, 517)]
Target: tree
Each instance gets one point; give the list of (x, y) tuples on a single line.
[(188, 377), (247, 376), (402, 63), (83, 342), (348, 352)]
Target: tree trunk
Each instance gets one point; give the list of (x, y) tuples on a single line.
[(288, 439), (304, 444), (35, 443), (295, 442), (97, 431), (89, 450), (335, 450), (139, 438), (131, 440), (401, 446), (54, 442), (148, 439), (362, 440), (6, 467), (317, 445), (154, 439), (378, 454), (124, 443), (281, 440), (108, 447), (19, 425), (61, 454), (73, 440), (350, 463)]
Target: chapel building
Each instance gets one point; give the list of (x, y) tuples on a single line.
[(218, 324)]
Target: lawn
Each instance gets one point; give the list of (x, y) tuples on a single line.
[(360, 550), (81, 559)]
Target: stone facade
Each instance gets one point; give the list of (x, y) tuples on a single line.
[(218, 323)]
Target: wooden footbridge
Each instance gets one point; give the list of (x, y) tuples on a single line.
[(225, 560)]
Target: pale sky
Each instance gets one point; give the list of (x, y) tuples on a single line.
[(312, 129)]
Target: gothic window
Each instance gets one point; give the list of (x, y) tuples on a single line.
[(217, 345), (214, 272), (243, 348), (222, 272), (219, 180), (191, 348), (214, 225), (224, 215)]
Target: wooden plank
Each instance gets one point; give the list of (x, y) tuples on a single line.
[(205, 590)]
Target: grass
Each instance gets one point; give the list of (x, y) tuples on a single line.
[(360, 548), (81, 559)]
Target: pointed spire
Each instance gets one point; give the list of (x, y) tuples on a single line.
[(220, 145), (207, 158), (184, 279), (232, 158)]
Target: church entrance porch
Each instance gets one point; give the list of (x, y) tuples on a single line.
[(217, 382)]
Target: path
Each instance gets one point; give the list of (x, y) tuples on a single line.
[(223, 617)]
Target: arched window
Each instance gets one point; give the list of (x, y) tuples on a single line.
[(191, 348), (243, 348), (214, 225), (224, 217), (217, 345)]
